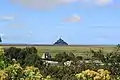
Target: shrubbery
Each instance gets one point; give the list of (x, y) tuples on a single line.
[(101, 74), (16, 72), (25, 64)]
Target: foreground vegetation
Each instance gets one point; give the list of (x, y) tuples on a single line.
[(26, 64)]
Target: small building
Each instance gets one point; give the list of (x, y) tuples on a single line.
[(60, 42), (53, 63), (46, 55), (68, 63)]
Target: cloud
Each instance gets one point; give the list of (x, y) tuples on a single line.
[(97, 2), (16, 25), (73, 18), (103, 2), (40, 4), (46, 4), (11, 17)]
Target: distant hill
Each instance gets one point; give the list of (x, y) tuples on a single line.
[(60, 42)]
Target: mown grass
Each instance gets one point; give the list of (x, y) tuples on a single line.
[(77, 50)]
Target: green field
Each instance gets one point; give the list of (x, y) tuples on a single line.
[(77, 50)]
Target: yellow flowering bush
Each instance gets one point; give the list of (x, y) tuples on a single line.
[(101, 74), (2, 62), (48, 78), (31, 73), (3, 75), (14, 71), (1, 51)]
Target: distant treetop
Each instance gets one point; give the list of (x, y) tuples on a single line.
[(60, 42), (0, 39)]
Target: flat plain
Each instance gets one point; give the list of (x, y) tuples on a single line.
[(78, 50)]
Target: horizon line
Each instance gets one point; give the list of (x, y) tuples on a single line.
[(36, 44)]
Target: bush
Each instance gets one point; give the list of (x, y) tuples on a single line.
[(3, 61), (25, 64), (79, 58), (62, 57), (101, 74), (3, 75), (14, 71), (26, 56), (31, 73)]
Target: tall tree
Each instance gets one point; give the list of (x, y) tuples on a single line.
[(0, 39)]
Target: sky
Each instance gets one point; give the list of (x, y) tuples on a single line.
[(45, 21)]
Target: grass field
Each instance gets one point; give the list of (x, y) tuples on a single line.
[(77, 50)]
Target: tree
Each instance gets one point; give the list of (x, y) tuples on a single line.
[(0, 39), (79, 58), (71, 56), (62, 57)]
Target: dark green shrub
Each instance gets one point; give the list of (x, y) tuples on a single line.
[(62, 57), (12, 53), (79, 58), (71, 56), (25, 56)]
